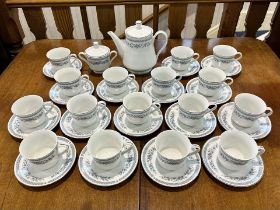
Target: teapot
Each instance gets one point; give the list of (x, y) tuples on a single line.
[(138, 51)]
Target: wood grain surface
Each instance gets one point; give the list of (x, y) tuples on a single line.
[(260, 75)]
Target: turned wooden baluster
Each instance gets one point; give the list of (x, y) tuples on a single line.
[(176, 19), (63, 21), (106, 20), (132, 14)]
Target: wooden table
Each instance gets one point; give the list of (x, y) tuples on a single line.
[(260, 75)]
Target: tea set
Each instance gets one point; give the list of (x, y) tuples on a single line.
[(169, 159)]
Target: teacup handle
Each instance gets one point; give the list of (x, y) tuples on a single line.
[(131, 77), (196, 56), (178, 77), (213, 107), (66, 147), (239, 56), (261, 150), (73, 56), (48, 110), (83, 57), (196, 149), (101, 105), (228, 81), (115, 55), (126, 148), (84, 76), (156, 107), (165, 43), (267, 112)]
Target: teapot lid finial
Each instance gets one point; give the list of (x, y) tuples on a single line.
[(95, 44), (139, 24)]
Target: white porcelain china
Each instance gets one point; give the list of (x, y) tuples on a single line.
[(248, 108), (176, 178), (139, 47), (70, 80), (59, 58), (192, 108), (57, 96), (176, 91), (223, 95), (259, 130), (98, 57), (190, 70), (84, 109), (244, 178), (204, 128), (124, 126), (182, 57), (117, 79), (212, 80), (171, 155), (138, 107), (30, 176), (105, 178), (163, 79), (234, 70)]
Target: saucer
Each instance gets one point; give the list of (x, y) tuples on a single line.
[(18, 131), (48, 66), (120, 173), (260, 130), (245, 178), (177, 178), (176, 92), (73, 131), (223, 96), (101, 91), (130, 129), (58, 97), (208, 126), (192, 69), (207, 61), (30, 176)]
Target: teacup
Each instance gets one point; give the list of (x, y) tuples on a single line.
[(31, 110), (192, 108), (224, 55), (84, 108), (41, 149), (163, 80), (173, 148), (138, 107), (98, 57), (59, 58), (106, 148), (248, 108), (182, 57), (211, 80), (116, 79), (237, 149)]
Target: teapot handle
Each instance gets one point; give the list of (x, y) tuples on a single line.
[(165, 43)]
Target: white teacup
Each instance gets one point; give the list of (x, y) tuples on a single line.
[(70, 80), (173, 148), (192, 108), (106, 148), (248, 108), (31, 110), (224, 55), (84, 108), (211, 80), (181, 57), (41, 149), (237, 149), (60, 57), (138, 107), (116, 79), (163, 80)]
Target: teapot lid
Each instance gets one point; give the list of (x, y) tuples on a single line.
[(139, 31), (97, 50)]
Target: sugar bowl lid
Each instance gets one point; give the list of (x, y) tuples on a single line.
[(139, 31), (97, 50)]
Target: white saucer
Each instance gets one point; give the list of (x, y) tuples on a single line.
[(58, 97), (192, 69), (260, 130), (208, 126), (17, 131), (48, 66), (245, 178), (123, 171), (102, 92), (176, 92), (223, 96), (207, 61), (66, 125), (177, 178), (29, 176), (130, 129)]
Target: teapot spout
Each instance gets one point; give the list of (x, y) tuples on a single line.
[(119, 44)]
